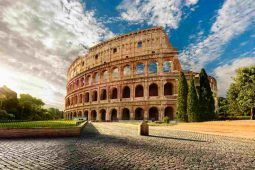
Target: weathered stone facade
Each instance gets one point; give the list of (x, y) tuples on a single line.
[(129, 77)]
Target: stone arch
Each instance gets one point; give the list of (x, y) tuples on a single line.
[(103, 115), (114, 114), (139, 114), (96, 77), (153, 114), (127, 70), (75, 99), (74, 114), (115, 73), (80, 114), (105, 76), (114, 93), (68, 102), (86, 97), (80, 98), (82, 81), (103, 95), (125, 114), (94, 115), (168, 89), (94, 95), (139, 91), (88, 80), (86, 114), (140, 68), (153, 67), (153, 89), (126, 92), (169, 112)]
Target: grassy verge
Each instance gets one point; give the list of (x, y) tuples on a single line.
[(40, 124)]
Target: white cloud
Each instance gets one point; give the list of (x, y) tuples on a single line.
[(40, 38), (226, 72), (232, 19), (166, 13)]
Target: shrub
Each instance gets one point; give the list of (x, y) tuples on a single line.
[(166, 119)]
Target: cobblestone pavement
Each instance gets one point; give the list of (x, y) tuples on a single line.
[(117, 146)]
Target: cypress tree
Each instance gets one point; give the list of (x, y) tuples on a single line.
[(182, 98), (192, 102), (206, 100)]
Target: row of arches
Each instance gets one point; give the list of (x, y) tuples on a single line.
[(114, 73), (126, 93), (125, 114)]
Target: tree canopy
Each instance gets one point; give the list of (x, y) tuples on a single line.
[(241, 93)]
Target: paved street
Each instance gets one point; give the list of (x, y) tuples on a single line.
[(117, 146)]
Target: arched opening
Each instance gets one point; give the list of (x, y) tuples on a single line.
[(167, 66), (80, 114), (115, 73), (103, 114), (139, 91), (96, 78), (82, 82), (153, 67), (153, 114), (94, 95), (103, 94), (86, 100), (71, 116), (139, 114), (169, 113), (140, 68), (105, 76), (68, 102), (127, 70), (93, 115), (114, 94), (126, 92), (114, 115), (75, 99), (80, 98), (88, 80), (153, 90), (74, 115), (125, 114), (168, 89), (86, 115)]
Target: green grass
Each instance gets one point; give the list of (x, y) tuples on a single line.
[(40, 124)]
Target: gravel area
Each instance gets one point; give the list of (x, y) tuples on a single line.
[(117, 146)]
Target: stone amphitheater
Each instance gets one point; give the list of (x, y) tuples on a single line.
[(129, 77)]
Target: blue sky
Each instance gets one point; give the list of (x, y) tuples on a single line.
[(40, 38)]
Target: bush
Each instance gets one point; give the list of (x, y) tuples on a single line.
[(166, 119)]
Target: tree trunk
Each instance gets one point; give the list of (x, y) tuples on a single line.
[(253, 113)]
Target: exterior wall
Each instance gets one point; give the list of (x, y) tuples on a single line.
[(86, 78)]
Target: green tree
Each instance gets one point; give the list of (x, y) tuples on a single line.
[(192, 102), (55, 113), (223, 107), (31, 107), (206, 100), (242, 90), (182, 98)]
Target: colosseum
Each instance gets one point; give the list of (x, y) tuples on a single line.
[(129, 77)]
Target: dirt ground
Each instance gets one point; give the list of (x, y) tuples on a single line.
[(239, 128)]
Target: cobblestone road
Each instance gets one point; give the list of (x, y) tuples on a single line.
[(118, 147)]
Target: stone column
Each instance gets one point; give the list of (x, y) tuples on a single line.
[(119, 114), (108, 115), (89, 115), (146, 114)]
